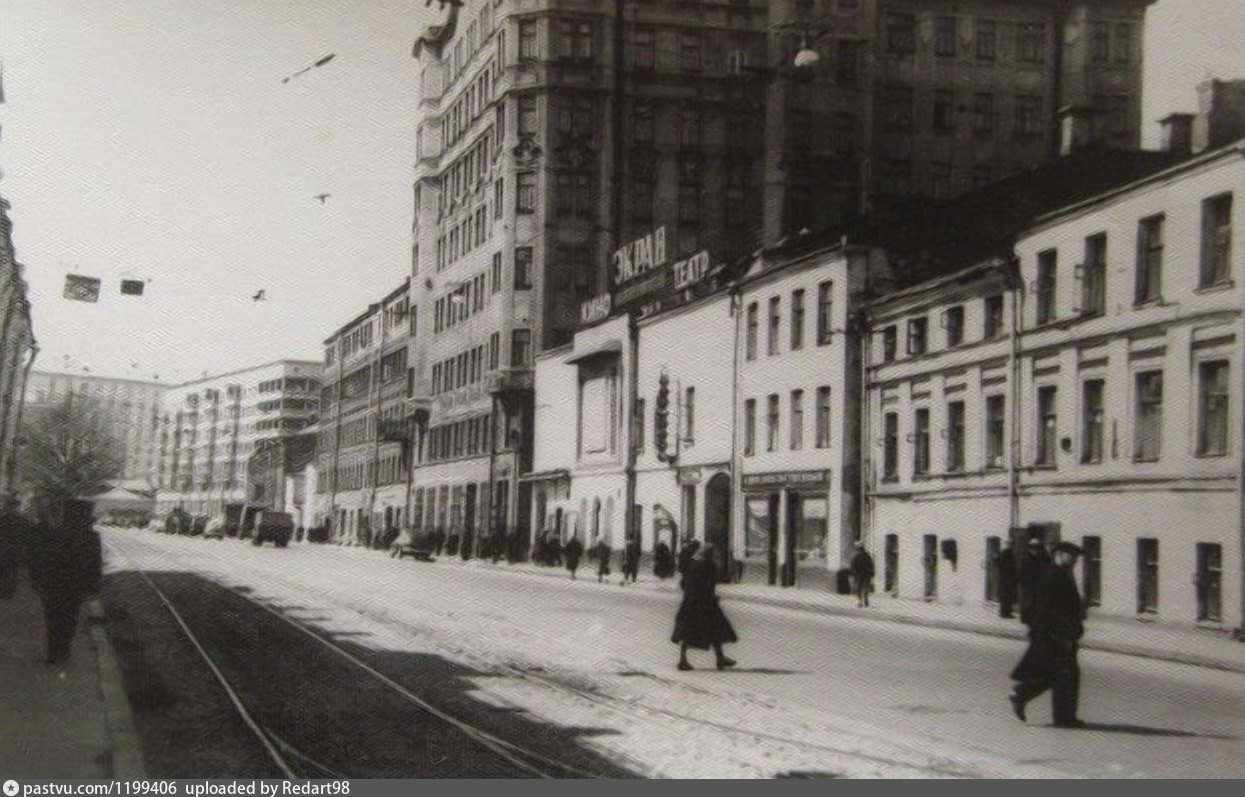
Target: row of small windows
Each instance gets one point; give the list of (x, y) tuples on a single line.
[(466, 368), (468, 438), (796, 422), (466, 300), (464, 237), (917, 340), (795, 329), (1108, 42)]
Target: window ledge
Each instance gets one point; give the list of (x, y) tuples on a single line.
[(1215, 287), (1145, 460), (1211, 456)]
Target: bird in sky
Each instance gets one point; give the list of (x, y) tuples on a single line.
[(322, 197), (259, 296)]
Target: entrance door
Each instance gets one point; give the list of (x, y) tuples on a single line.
[(718, 522), (772, 520), (890, 572), (791, 529), (930, 561), (1208, 581), (469, 519)]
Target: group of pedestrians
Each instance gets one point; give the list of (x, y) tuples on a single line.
[(61, 555)]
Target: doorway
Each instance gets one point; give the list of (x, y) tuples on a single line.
[(469, 519), (890, 565), (771, 520), (1209, 581), (791, 531), (930, 561), (718, 522)]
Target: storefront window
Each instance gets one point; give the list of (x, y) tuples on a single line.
[(810, 543), (756, 537)]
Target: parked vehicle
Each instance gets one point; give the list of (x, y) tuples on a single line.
[(272, 526)]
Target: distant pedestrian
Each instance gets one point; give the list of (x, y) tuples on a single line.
[(1031, 571), (452, 543), (555, 551), (631, 559), (15, 537), (1057, 618), (604, 552), (66, 567), (574, 551), (663, 560), (1006, 568), (700, 622), (437, 538), (862, 574)]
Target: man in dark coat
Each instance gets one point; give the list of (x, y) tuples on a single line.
[(1031, 571), (862, 574), (700, 623), (15, 534), (1057, 617), (66, 567), (631, 559), (574, 551), (1006, 565), (663, 560), (687, 553), (604, 552)]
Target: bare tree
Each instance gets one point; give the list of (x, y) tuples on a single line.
[(67, 452)]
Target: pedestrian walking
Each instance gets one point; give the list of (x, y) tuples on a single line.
[(66, 568), (1057, 623), (604, 552), (700, 622), (631, 559), (663, 560), (574, 551), (1031, 571), (15, 534), (1006, 565), (862, 574), (687, 553)]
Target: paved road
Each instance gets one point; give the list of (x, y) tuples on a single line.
[(813, 694)]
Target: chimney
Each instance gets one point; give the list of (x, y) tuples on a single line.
[(1221, 114), (1177, 134), (1077, 128)]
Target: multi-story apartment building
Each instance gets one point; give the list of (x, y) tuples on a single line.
[(1087, 389), (935, 97), (362, 464), (210, 429), (130, 407), (17, 348)]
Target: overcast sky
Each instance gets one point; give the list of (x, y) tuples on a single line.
[(154, 139)]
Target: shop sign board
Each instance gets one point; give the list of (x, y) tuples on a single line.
[(787, 480), (643, 275)]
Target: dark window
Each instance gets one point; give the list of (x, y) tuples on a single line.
[(523, 267), (1091, 572), (917, 335), (1208, 582), (751, 348), (637, 426), (897, 108), (525, 194), (940, 180), (1100, 42), (797, 320), (527, 41), (1029, 120), (825, 313), (528, 119), (520, 348), (1149, 259), (1047, 430), (642, 123), (955, 436), (987, 39), (797, 420), (993, 320), (643, 44), (1212, 421), (995, 431), (890, 343), (771, 418), (983, 114), (954, 320), (1092, 421), (823, 417), (1216, 241), (1031, 42), (901, 34), (1094, 276), (890, 447), (944, 37), (920, 442), (775, 326), (1148, 418), (575, 40), (689, 127), (689, 415), (1123, 43), (750, 427), (1147, 575), (944, 111), (1047, 262), (689, 52), (496, 275)]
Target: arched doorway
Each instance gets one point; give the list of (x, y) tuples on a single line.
[(718, 521)]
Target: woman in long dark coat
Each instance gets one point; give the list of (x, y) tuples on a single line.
[(700, 622), (573, 551)]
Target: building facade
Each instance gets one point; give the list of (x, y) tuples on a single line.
[(17, 350), (131, 408), (210, 430), (1089, 391), (362, 464)]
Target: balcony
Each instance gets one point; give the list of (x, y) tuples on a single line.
[(510, 380)]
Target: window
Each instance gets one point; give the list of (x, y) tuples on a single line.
[(689, 52), (1100, 42), (983, 114), (944, 111), (575, 40), (995, 430), (689, 127), (797, 420), (523, 267), (689, 415), (1212, 421), (1091, 570), (525, 193), (1047, 425), (689, 203), (825, 318), (1149, 259), (1047, 262), (775, 324), (823, 417), (771, 421), (900, 34), (992, 324), (897, 108), (890, 343), (520, 347), (1029, 119), (750, 427), (1092, 421), (920, 442), (1216, 241), (1031, 42), (797, 320), (1094, 276), (987, 35), (642, 123), (528, 119), (1147, 575), (1148, 417), (495, 285), (499, 197), (944, 37), (955, 436), (1123, 42), (643, 48), (1208, 582), (917, 329), (750, 351), (527, 41), (890, 447), (954, 320), (637, 426)]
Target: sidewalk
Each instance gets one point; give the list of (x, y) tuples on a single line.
[(70, 721), (1202, 647)]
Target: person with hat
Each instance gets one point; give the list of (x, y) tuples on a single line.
[(66, 568), (1035, 564), (862, 574), (1057, 623)]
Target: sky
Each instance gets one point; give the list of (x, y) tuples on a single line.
[(154, 140)]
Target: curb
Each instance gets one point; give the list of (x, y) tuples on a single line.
[(125, 754)]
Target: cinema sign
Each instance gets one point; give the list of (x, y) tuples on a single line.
[(642, 273)]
